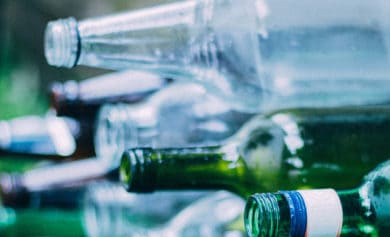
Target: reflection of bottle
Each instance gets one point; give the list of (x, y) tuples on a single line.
[(60, 186), (265, 54), (364, 211), (110, 211), (83, 99), (47, 136), (286, 150), (178, 115)]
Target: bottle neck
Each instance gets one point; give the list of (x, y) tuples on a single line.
[(59, 186), (123, 126), (146, 169), (309, 213)]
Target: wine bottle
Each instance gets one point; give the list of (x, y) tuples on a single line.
[(307, 148), (363, 211), (264, 55), (181, 114), (110, 211)]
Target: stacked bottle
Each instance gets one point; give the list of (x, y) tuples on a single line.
[(313, 78)]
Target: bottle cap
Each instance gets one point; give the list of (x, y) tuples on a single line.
[(62, 43)]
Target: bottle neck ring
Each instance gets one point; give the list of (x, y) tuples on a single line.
[(298, 215)]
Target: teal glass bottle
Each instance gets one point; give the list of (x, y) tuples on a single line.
[(363, 211)]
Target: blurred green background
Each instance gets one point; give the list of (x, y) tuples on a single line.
[(24, 80)]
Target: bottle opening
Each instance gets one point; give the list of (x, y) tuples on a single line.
[(62, 43), (110, 139), (136, 171), (262, 215)]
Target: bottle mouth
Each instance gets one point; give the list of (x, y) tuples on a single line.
[(136, 171), (261, 215), (110, 139), (61, 43)]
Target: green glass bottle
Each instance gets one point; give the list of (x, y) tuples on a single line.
[(364, 211), (308, 148)]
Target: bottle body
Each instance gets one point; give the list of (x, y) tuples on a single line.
[(49, 135), (107, 211), (357, 212), (59, 186), (261, 57), (291, 149), (198, 118), (83, 99)]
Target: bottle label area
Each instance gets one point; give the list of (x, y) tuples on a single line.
[(324, 212)]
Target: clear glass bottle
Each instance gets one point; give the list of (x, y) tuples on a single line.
[(181, 114), (110, 211), (47, 136), (364, 211), (256, 54), (59, 185), (82, 99), (305, 148)]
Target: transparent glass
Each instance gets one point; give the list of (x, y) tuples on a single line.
[(110, 211), (47, 135), (181, 114), (256, 54), (365, 210), (60, 185)]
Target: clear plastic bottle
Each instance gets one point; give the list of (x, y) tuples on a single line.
[(110, 211), (256, 54), (181, 114)]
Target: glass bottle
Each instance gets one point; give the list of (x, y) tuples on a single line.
[(181, 114), (264, 55), (110, 211), (303, 148), (82, 99), (364, 211), (59, 185), (40, 135)]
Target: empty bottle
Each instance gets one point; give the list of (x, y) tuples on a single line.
[(59, 186), (83, 99), (310, 148), (364, 211), (181, 114), (110, 211), (46, 136), (256, 54)]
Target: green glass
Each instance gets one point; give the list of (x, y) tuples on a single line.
[(365, 210), (303, 148), (47, 222)]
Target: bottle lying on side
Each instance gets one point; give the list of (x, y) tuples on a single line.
[(111, 211), (302, 148), (268, 54), (83, 99), (59, 185), (41, 136), (363, 211), (181, 114)]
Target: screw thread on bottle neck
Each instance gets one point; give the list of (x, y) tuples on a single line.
[(262, 215), (62, 43)]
